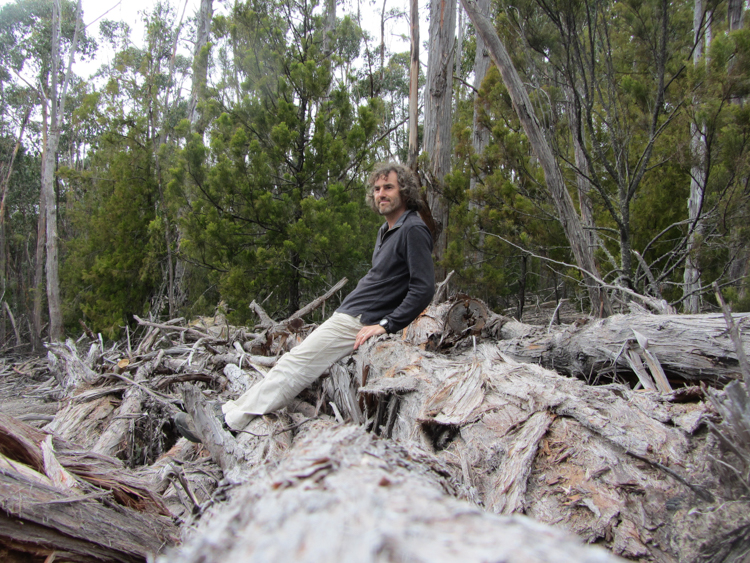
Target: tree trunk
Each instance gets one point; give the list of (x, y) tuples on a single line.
[(555, 183), (692, 276), (340, 494), (57, 111), (200, 66), (41, 237), (736, 14), (691, 348), (438, 108), (49, 159), (414, 87), (480, 134), (459, 54), (200, 63)]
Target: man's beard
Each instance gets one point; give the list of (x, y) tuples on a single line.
[(389, 206)]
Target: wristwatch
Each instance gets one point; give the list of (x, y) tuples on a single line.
[(384, 324)]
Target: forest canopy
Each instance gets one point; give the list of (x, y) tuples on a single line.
[(224, 157)]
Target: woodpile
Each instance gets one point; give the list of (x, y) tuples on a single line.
[(470, 437)]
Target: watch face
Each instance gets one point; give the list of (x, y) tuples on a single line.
[(384, 323)]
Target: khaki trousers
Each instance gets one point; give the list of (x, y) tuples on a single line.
[(295, 370)]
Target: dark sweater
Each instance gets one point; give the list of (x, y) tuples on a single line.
[(401, 282)]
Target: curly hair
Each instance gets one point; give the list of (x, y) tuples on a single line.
[(407, 184)]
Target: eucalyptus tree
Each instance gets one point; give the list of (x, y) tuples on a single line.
[(37, 36), (438, 111)]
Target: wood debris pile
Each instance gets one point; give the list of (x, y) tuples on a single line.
[(425, 446)]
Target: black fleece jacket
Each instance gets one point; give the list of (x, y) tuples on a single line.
[(401, 282)]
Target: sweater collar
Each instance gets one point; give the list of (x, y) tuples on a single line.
[(400, 221)]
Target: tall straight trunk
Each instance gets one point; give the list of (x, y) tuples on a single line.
[(459, 51), (48, 186), (438, 114), (480, 135), (569, 219), (735, 13), (414, 86), (41, 239), (692, 276), (200, 63), (49, 161), (200, 72), (382, 45)]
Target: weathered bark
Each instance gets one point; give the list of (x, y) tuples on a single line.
[(567, 215), (608, 463), (631, 470), (691, 348), (691, 276), (113, 439), (414, 86), (342, 495), (51, 497), (688, 347), (438, 110), (68, 368)]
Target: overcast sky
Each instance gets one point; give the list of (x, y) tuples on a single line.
[(130, 11)]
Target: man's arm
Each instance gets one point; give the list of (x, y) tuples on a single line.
[(421, 278)]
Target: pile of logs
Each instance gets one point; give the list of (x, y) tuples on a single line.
[(469, 437)]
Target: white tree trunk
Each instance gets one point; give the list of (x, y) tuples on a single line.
[(692, 276), (200, 65), (414, 86), (57, 111)]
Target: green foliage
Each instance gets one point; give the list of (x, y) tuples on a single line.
[(113, 263), (273, 206), (624, 67)]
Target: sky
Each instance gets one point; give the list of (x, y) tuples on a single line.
[(130, 11)]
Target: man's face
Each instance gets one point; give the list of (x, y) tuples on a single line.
[(387, 195)]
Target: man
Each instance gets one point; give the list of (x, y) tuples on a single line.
[(397, 288)]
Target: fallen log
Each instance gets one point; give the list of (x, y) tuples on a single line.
[(618, 467), (636, 471), (689, 348), (58, 501), (692, 348), (340, 494)]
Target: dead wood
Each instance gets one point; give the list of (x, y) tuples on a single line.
[(636, 471), (56, 498), (689, 348), (617, 467), (340, 494), (69, 369), (734, 333), (282, 336), (114, 438)]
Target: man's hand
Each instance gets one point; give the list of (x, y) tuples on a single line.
[(366, 332)]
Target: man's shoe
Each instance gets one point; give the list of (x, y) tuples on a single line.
[(185, 425)]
